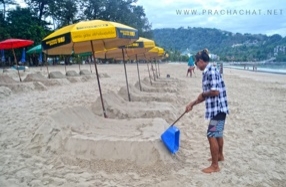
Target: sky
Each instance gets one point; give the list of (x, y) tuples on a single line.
[(236, 16), (242, 16)]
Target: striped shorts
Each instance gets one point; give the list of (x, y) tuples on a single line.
[(215, 128)]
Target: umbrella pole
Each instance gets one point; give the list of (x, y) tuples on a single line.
[(79, 63), (155, 63), (90, 61), (46, 62), (65, 66), (16, 65), (104, 112), (126, 75), (159, 69), (154, 76), (138, 73), (149, 71)]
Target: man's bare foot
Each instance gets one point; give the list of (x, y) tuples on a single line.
[(211, 169), (219, 159)]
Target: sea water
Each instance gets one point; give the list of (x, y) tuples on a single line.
[(267, 68)]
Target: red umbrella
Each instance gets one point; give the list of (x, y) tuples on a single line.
[(14, 43)]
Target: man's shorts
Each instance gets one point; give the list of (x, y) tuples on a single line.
[(215, 129)]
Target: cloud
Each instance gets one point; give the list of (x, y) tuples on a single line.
[(241, 16)]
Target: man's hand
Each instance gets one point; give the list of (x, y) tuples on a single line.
[(190, 106)]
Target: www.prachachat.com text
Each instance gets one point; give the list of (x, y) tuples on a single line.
[(222, 12)]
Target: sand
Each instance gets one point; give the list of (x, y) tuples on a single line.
[(53, 133)]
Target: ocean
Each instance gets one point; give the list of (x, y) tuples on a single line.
[(267, 68)]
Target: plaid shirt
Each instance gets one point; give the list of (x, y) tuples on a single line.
[(212, 80)]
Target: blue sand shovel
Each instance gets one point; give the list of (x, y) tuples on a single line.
[(171, 137)]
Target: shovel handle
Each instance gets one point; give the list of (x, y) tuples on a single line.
[(178, 119)]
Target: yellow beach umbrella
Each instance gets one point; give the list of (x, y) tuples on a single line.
[(140, 46), (89, 36), (79, 36), (153, 52), (161, 52)]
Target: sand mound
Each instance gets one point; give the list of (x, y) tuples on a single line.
[(78, 134), (117, 107), (5, 79), (163, 82), (103, 75), (86, 78), (153, 88), (5, 92), (56, 75), (9, 70), (72, 73), (21, 87), (84, 72), (30, 83), (35, 77), (40, 86), (39, 79), (14, 74), (137, 95)]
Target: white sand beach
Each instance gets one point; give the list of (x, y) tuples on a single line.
[(53, 133)]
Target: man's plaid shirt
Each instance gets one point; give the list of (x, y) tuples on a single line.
[(212, 80)]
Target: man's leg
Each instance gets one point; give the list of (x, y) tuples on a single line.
[(215, 137), (220, 149), (214, 148)]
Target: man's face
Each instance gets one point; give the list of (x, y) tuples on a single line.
[(200, 64)]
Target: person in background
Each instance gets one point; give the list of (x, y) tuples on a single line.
[(215, 98), (191, 66)]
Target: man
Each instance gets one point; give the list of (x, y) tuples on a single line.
[(214, 95)]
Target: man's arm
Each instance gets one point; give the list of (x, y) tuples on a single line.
[(210, 93), (190, 106), (201, 98)]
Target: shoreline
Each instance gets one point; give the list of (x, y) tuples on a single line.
[(258, 71)]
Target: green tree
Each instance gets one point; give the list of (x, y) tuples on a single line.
[(122, 11), (39, 8), (64, 12), (4, 4), (21, 23), (91, 9)]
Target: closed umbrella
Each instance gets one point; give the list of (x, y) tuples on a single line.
[(89, 36), (2, 56), (40, 59), (23, 58)]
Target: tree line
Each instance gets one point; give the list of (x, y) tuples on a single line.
[(228, 46), (40, 17)]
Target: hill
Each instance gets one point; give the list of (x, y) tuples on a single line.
[(227, 45)]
